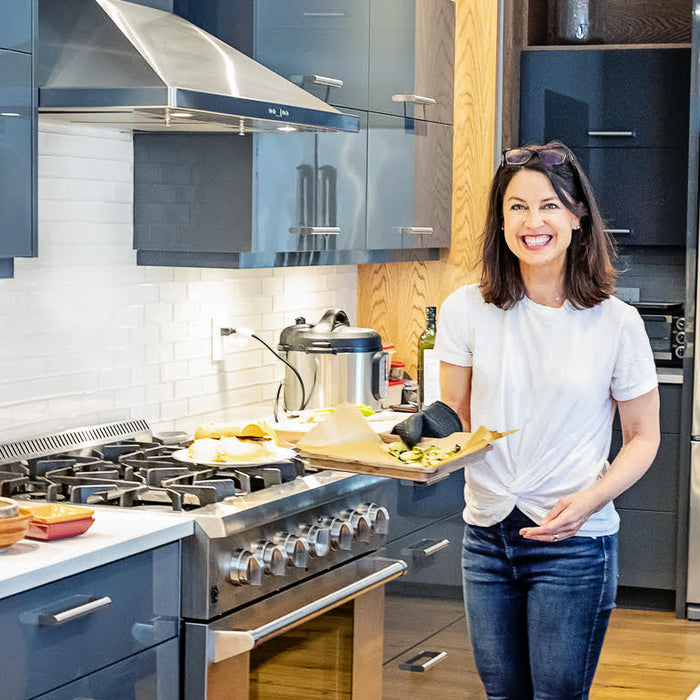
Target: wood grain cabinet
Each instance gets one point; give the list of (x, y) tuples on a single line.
[(411, 67), (624, 112), (649, 509), (18, 127)]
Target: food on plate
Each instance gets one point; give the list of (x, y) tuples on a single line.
[(425, 456), (251, 431), (226, 443), (204, 450), (232, 449)]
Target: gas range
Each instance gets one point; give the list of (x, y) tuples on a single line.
[(257, 529)]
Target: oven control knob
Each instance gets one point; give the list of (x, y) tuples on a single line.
[(318, 538), (243, 568), (341, 532), (271, 557), (361, 525), (296, 549), (378, 517)]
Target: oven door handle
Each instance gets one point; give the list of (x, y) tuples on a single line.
[(223, 644)]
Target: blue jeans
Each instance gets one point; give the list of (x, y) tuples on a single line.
[(537, 611)]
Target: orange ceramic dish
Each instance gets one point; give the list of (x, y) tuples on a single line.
[(49, 513), (14, 529), (58, 530)]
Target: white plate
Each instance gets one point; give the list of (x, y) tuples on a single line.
[(280, 454)]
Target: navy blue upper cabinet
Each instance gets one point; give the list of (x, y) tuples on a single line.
[(16, 27), (216, 200), (412, 58), (632, 98), (409, 183), (18, 127), (321, 45)]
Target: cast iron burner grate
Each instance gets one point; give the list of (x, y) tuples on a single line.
[(131, 473)]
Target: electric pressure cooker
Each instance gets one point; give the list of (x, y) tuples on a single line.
[(337, 363)]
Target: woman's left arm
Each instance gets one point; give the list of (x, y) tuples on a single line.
[(640, 440)]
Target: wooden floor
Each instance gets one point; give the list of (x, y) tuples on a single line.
[(646, 656)]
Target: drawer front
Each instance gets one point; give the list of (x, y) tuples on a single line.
[(429, 596), (414, 506), (641, 192), (626, 98), (658, 488), (16, 128), (150, 675), (310, 191), (647, 549), (16, 28), (409, 183), (412, 45), (144, 611), (300, 39)]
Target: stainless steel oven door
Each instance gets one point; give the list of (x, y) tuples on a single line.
[(321, 638)]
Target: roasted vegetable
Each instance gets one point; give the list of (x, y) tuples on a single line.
[(427, 456)]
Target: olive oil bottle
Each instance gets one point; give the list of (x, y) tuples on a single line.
[(428, 364)]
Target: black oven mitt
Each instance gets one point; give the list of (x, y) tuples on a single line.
[(437, 420)]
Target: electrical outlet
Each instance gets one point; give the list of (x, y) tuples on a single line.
[(628, 293)]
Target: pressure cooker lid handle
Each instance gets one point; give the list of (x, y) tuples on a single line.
[(331, 320)]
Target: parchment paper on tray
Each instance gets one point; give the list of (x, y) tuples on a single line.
[(344, 441)]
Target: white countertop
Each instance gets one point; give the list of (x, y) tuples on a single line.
[(115, 534)]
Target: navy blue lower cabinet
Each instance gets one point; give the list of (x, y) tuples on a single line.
[(150, 675), (63, 631), (17, 182)]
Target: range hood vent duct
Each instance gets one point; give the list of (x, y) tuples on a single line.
[(116, 63)]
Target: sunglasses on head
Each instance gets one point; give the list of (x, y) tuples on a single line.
[(548, 156)]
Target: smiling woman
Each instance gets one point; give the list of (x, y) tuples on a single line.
[(543, 346)]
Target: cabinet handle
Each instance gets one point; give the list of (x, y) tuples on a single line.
[(431, 658), (324, 14), (317, 80), (631, 134), (417, 230), (619, 231), (315, 230), (418, 99), (424, 548), (59, 618)]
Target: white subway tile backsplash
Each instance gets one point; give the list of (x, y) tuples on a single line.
[(89, 336)]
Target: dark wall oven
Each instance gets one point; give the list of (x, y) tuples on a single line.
[(665, 326)]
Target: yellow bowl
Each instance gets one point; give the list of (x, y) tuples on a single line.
[(14, 529), (57, 512)]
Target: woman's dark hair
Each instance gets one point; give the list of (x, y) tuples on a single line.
[(589, 276)]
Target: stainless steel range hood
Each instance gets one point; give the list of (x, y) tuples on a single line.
[(116, 63)]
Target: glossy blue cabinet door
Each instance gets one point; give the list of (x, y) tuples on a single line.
[(16, 159), (150, 675), (310, 191), (409, 183), (304, 39), (48, 643), (412, 46), (629, 98), (16, 25)]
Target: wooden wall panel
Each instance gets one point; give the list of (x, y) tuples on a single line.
[(391, 298)]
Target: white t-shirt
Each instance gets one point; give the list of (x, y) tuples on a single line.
[(554, 374)]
